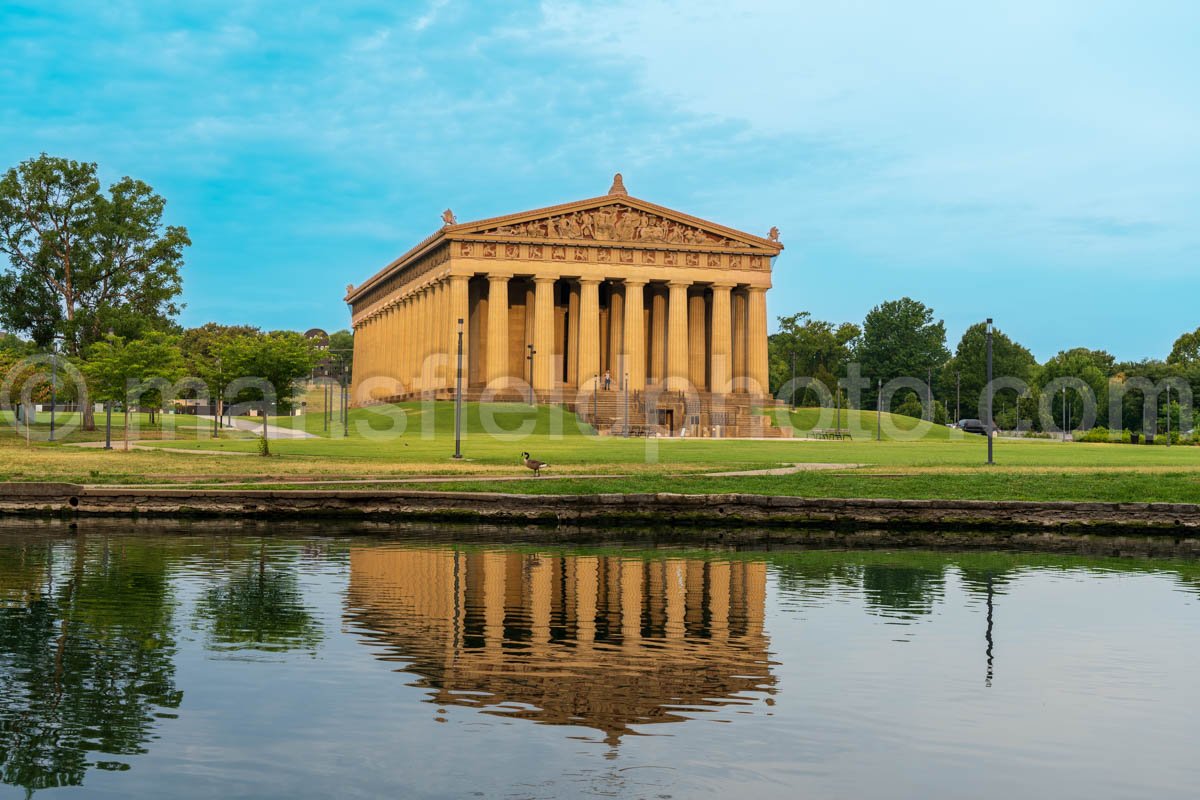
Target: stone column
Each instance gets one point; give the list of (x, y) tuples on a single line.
[(406, 342), (460, 301), (589, 331), (573, 335), (658, 336), (616, 326), (738, 360), (698, 340), (722, 340), (394, 339), (678, 361), (543, 333), (633, 336), (756, 342), (436, 350), (497, 338)]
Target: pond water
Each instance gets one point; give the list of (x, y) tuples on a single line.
[(195, 662)]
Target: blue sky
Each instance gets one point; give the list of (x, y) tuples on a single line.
[(1035, 162)]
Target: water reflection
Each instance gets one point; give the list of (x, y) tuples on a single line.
[(86, 659), (313, 664), (600, 641)]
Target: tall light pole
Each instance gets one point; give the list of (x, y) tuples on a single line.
[(990, 426), (108, 424), (793, 392), (626, 405), (929, 390), (879, 411), (1064, 414), (458, 397), (53, 384), (595, 403), (957, 396), (1168, 416), (532, 353)]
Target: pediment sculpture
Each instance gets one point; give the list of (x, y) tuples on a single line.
[(614, 223)]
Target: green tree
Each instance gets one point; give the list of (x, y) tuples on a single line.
[(965, 374), (1092, 367), (119, 371), (204, 355), (86, 659), (1186, 350), (901, 339), (342, 344), (282, 358), (822, 350), (259, 607), (83, 263)]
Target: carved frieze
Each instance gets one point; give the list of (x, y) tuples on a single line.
[(614, 223)]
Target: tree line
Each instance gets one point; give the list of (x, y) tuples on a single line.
[(903, 338), (94, 277)]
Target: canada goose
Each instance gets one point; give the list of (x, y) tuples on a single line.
[(533, 464)]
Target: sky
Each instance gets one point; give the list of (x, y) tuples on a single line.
[(1034, 162)]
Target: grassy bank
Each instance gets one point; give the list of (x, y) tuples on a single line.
[(913, 460)]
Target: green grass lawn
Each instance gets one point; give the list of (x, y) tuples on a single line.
[(416, 440)]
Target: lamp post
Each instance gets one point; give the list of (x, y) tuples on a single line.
[(1064, 414), (532, 353), (626, 386), (458, 397), (929, 390), (595, 403), (957, 396), (108, 424), (990, 426), (879, 411), (839, 410), (217, 400), (53, 384), (1168, 416), (793, 392)]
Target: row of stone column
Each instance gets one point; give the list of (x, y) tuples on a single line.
[(410, 345), (407, 346), (737, 359)]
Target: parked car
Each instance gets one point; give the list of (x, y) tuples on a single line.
[(972, 426)]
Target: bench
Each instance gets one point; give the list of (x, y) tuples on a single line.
[(829, 433)]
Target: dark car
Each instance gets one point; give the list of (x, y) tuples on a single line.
[(972, 426)]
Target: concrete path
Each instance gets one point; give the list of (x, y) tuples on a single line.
[(255, 427)]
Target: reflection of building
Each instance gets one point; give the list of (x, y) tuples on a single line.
[(597, 641)]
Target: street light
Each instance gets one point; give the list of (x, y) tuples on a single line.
[(53, 384), (957, 396), (532, 353), (458, 397), (626, 405), (990, 425), (879, 412), (596, 403), (793, 392)]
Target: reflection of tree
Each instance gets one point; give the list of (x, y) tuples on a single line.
[(85, 664), (902, 589), (260, 608)]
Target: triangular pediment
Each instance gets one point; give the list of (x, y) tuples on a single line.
[(613, 220)]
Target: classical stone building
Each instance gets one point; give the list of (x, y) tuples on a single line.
[(556, 297)]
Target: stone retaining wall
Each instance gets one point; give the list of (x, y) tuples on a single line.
[(723, 511)]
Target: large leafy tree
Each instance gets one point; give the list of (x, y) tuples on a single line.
[(1093, 367), (821, 349), (115, 367), (83, 263), (1186, 350), (966, 372), (220, 355), (900, 338)]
